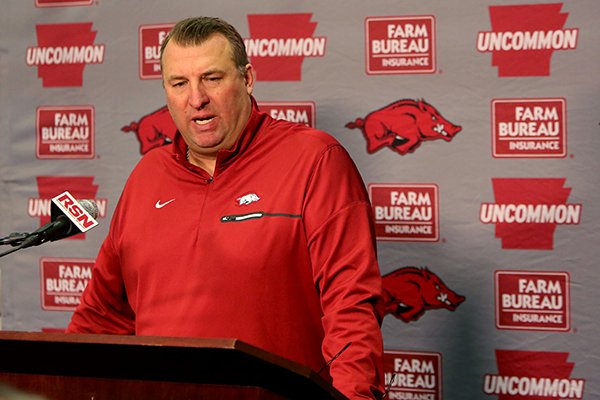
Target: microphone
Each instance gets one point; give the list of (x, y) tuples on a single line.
[(68, 217)]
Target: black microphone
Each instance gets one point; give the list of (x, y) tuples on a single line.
[(66, 219)]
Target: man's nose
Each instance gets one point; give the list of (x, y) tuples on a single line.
[(198, 97)]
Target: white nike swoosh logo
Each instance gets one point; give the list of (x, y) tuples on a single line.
[(161, 205)]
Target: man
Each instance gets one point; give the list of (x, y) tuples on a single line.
[(244, 227)]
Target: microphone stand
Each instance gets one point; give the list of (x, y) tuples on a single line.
[(21, 240), (10, 251)]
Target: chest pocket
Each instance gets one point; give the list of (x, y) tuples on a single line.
[(256, 215)]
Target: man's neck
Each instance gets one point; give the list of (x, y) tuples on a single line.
[(206, 163)]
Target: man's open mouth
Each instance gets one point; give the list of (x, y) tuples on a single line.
[(203, 121)]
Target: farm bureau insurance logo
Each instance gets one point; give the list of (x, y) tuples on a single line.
[(527, 211), (529, 128), (524, 38), (412, 375), (400, 45), (533, 375), (63, 281), (300, 112), (64, 132), (532, 300), (405, 212), (81, 187), (62, 53), (279, 43), (151, 38)]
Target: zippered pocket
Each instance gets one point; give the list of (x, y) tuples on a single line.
[(256, 215)]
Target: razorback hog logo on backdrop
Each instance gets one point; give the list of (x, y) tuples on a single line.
[(279, 43), (524, 37), (527, 211), (533, 375), (62, 53), (408, 292), (403, 125), (81, 187), (153, 130)]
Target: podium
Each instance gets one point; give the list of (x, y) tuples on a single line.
[(62, 366)]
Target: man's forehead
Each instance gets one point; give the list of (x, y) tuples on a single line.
[(215, 40), (216, 45), (218, 52)]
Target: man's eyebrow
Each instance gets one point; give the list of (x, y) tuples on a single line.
[(213, 71), (206, 73), (175, 78)]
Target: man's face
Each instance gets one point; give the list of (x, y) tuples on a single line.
[(207, 95)]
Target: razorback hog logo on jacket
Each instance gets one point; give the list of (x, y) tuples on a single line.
[(403, 125), (410, 291), (153, 130), (247, 199)]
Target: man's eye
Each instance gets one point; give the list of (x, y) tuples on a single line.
[(178, 84)]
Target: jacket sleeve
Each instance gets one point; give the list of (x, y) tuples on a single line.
[(339, 227), (104, 307)]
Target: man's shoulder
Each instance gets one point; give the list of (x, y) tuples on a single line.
[(299, 135), (158, 153), (154, 159)]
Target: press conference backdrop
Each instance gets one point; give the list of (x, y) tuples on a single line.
[(474, 124)]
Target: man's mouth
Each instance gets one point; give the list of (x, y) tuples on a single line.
[(203, 121)]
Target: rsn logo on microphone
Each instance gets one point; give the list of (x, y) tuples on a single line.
[(74, 211)]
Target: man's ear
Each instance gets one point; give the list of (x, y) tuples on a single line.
[(249, 78)]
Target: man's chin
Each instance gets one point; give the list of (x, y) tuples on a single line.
[(207, 148)]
